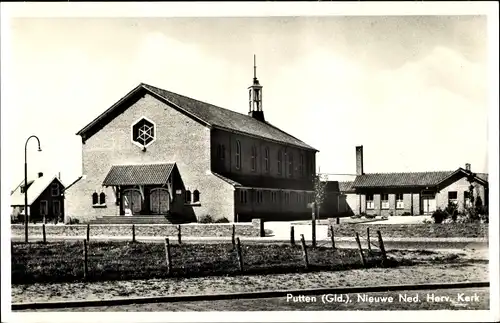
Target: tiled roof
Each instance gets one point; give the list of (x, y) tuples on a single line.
[(265, 182), (227, 180), (482, 176), (38, 186), (205, 113), (346, 186), (144, 174), (400, 179), (227, 119)]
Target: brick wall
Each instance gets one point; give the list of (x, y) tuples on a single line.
[(179, 139), (460, 186), (228, 165)]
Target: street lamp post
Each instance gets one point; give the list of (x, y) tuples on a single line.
[(26, 184)]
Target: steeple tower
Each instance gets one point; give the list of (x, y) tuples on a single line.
[(255, 96)]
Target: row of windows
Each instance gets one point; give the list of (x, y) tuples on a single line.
[(281, 157), (98, 198), (384, 200), (192, 198), (288, 197), (188, 197), (44, 207)]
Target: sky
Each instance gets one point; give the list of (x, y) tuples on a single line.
[(413, 90)]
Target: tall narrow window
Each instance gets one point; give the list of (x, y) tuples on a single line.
[(187, 197), (290, 165), (102, 198), (369, 202), (266, 159), (44, 207), (385, 201), (196, 196), (285, 155), (399, 201), (254, 158), (452, 197), (301, 165), (95, 198), (280, 160), (54, 189), (221, 152), (467, 201), (56, 208), (238, 154)]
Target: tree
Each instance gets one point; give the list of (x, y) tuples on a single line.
[(319, 183)]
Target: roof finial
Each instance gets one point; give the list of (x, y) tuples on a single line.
[(254, 68)]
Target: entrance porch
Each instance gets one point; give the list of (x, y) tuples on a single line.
[(145, 192)]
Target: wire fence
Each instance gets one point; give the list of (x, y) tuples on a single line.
[(104, 260)]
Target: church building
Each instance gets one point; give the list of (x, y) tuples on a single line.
[(163, 157)]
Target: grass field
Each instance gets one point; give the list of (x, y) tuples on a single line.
[(64, 261), (431, 230)]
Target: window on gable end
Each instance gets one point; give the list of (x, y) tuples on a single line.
[(102, 198), (54, 189), (95, 198), (196, 196)]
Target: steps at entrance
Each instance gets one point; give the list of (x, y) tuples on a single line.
[(131, 220)]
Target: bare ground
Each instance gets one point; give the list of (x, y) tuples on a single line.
[(431, 267)]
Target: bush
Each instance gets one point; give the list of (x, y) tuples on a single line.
[(370, 216), (406, 213), (357, 216), (222, 220), (439, 216), (73, 221), (206, 219)]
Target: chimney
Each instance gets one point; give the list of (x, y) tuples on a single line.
[(59, 175), (40, 174), (467, 167), (359, 160)]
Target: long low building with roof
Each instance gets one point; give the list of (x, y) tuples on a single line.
[(408, 193)]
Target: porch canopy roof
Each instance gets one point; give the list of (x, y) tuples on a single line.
[(142, 174)]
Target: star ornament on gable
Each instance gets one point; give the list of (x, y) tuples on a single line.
[(145, 133)]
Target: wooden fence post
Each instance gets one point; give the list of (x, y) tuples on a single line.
[(313, 225), (332, 237), (381, 246), (360, 250), (43, 234), (179, 237), (133, 232), (292, 235), (85, 261), (233, 236), (368, 239), (304, 251), (88, 232), (168, 257), (238, 253), (262, 231)]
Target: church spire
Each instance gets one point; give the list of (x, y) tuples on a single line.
[(255, 96)]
